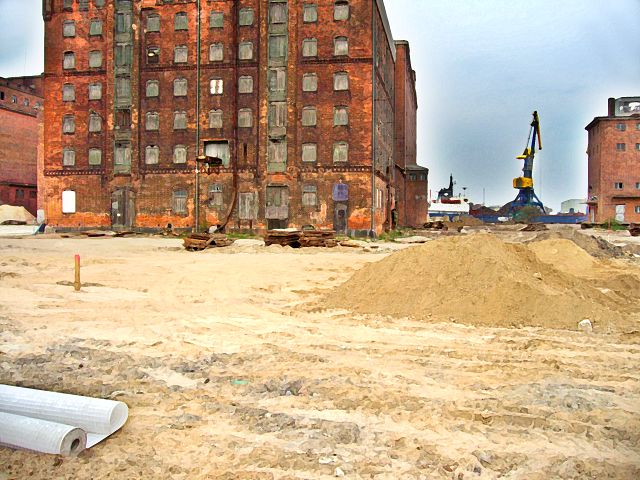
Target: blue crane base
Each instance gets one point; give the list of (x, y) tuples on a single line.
[(526, 198)]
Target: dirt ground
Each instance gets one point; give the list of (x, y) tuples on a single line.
[(232, 369)]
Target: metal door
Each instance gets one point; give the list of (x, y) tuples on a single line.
[(340, 218), (122, 208), (277, 207), (620, 213)]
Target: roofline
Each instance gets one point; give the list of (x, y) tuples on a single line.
[(387, 27), (611, 118)]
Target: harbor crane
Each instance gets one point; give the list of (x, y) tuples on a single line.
[(527, 196)]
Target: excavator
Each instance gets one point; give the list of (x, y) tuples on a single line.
[(527, 196)]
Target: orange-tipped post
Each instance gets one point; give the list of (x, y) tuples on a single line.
[(76, 283)]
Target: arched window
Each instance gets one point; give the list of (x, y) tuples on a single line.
[(153, 88), (95, 122), (181, 22), (179, 120), (153, 22), (341, 81), (152, 121), (216, 52), (310, 47), (340, 116), (341, 46), (152, 155), (215, 118), (341, 10), (180, 87), (340, 152), (179, 154), (245, 118)]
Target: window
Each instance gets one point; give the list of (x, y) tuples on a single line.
[(216, 199), (180, 87), (95, 91), (277, 80), (69, 60), (1, 95), (123, 118), (151, 154), (637, 185), (340, 116), (68, 124), (179, 204), (310, 82), (638, 146), (310, 13), (277, 154), (123, 54), (152, 121), (95, 28), (341, 10), (216, 52), (245, 51), (123, 88), (98, 3), (179, 154), (122, 157), (246, 16), (309, 195), (68, 92), (340, 81), (68, 157), (67, 4), (153, 55), (216, 20), (245, 118), (180, 54), (69, 28), (618, 185), (216, 86), (68, 201), (95, 59), (277, 47), (341, 46), (621, 147), (621, 127), (153, 23), (245, 84), (340, 152), (14, 99), (637, 126), (95, 123), (278, 114), (153, 88), (218, 150), (278, 13), (179, 120), (181, 22), (83, 5), (309, 152), (25, 102), (19, 193), (310, 47), (309, 117), (95, 156), (123, 22), (215, 119)]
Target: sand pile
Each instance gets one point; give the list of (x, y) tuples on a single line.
[(481, 280), (595, 246)]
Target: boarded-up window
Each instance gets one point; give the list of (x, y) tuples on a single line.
[(152, 121), (277, 79), (340, 152), (122, 157), (246, 16), (278, 114), (180, 54), (181, 22), (179, 120), (123, 88), (153, 55), (95, 59), (341, 46), (216, 199), (218, 150), (340, 116), (83, 5), (153, 23), (179, 154), (216, 86), (180, 87), (123, 54), (277, 47), (152, 155), (179, 204), (216, 20), (153, 88), (310, 82), (277, 203), (215, 119), (248, 205), (309, 116), (341, 10), (95, 156), (278, 13), (341, 81), (245, 84), (245, 118), (309, 47), (245, 51), (277, 155), (68, 201), (309, 195), (309, 152), (68, 124), (68, 157), (95, 122), (95, 28), (68, 92), (216, 52), (69, 60), (123, 22), (98, 3), (69, 28), (310, 12), (95, 91)]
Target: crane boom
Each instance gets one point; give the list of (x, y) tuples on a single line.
[(526, 196)]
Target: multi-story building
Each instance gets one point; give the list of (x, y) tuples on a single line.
[(21, 106), (247, 113), (614, 163)]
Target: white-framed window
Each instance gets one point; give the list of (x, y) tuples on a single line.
[(246, 16), (309, 116), (341, 46), (153, 23), (179, 154), (309, 195), (215, 118), (95, 156), (216, 20), (310, 13), (68, 92), (245, 118), (245, 84), (68, 157), (216, 52), (68, 201), (341, 10), (69, 60), (69, 28), (216, 86), (180, 87), (245, 51), (181, 21), (310, 82), (151, 154), (309, 152), (310, 47), (152, 88), (180, 54), (340, 116), (69, 124), (95, 91), (152, 121), (95, 122), (179, 120), (618, 185), (340, 81), (340, 152)]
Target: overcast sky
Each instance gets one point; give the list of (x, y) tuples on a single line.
[(483, 66)]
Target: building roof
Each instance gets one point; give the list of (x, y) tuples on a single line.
[(596, 120)]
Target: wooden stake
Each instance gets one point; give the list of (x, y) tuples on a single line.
[(76, 283)]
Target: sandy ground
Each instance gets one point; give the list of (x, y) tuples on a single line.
[(229, 373)]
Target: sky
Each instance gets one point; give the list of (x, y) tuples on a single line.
[(482, 67)]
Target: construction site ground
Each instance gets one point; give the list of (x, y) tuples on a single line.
[(233, 368)]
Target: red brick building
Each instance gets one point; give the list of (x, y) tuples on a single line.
[(21, 105), (614, 163), (271, 113)]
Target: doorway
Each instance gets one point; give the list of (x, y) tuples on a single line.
[(122, 208), (340, 218), (620, 213), (277, 208)]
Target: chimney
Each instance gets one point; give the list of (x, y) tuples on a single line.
[(612, 107)]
